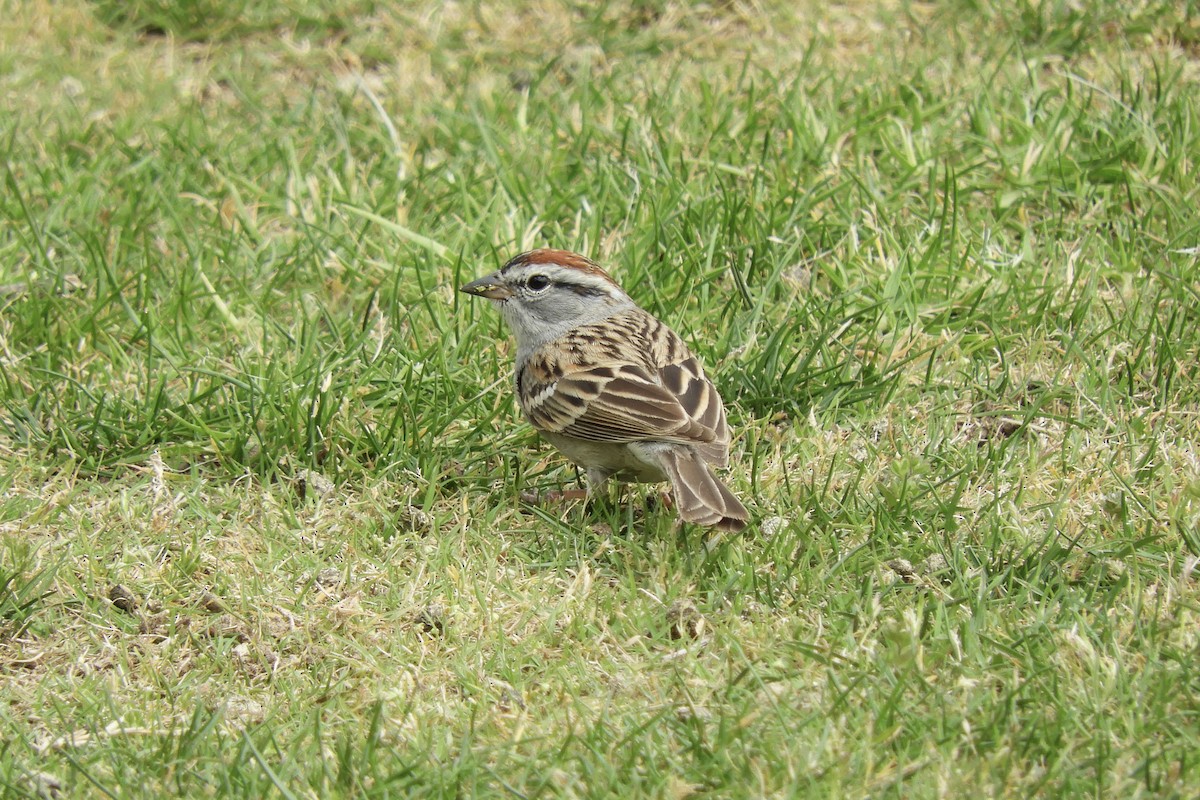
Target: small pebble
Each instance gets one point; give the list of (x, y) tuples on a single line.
[(432, 618), (316, 483), (330, 576), (210, 602), (226, 627), (771, 526), (122, 598), (904, 568), (934, 564), (684, 620)]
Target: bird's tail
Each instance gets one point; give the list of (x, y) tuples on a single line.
[(702, 498)]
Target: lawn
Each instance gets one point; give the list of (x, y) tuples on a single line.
[(263, 520)]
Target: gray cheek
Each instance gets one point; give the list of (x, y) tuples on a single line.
[(565, 307)]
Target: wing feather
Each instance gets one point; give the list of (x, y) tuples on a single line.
[(629, 406), (666, 397)]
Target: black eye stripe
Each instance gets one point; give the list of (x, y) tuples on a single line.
[(587, 291)]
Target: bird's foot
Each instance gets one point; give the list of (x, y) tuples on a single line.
[(552, 496)]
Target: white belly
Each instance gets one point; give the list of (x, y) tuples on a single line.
[(602, 460)]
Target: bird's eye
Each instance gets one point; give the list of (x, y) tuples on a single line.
[(537, 282)]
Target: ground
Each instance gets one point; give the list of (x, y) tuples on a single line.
[(263, 527)]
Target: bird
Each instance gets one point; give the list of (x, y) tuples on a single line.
[(610, 386)]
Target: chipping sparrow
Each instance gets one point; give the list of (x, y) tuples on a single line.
[(610, 386)]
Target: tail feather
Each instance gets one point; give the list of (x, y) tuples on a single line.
[(700, 497)]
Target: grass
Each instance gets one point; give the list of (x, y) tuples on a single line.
[(261, 519)]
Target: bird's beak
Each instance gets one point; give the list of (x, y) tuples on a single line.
[(489, 286)]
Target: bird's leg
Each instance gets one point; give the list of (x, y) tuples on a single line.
[(537, 498), (582, 490), (598, 491), (662, 498), (558, 495)]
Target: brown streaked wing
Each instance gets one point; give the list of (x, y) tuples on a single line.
[(622, 404), (699, 398), (697, 395)]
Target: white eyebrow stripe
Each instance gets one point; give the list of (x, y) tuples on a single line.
[(567, 276)]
